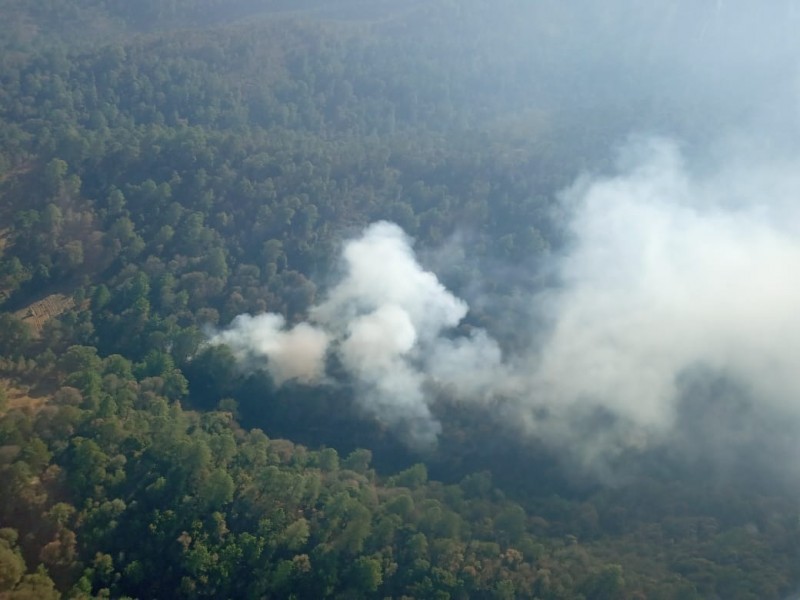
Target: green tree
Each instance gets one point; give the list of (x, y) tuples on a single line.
[(216, 490), (15, 335), (12, 565), (606, 584), (413, 477), (35, 586), (366, 574)]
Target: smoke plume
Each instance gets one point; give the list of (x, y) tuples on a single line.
[(670, 274), (386, 322), (291, 354)]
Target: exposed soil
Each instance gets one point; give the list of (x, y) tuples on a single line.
[(38, 313)]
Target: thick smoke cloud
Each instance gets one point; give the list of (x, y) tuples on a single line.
[(386, 322), (679, 290), (292, 354), (382, 271), (671, 274)]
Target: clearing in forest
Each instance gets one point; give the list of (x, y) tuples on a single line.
[(38, 313)]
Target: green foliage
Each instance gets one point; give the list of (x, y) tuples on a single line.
[(367, 574), (15, 335), (295, 536), (12, 565), (218, 511), (607, 584), (175, 180), (329, 460), (358, 460), (217, 489), (412, 477)]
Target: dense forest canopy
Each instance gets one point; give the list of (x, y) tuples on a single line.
[(379, 299)]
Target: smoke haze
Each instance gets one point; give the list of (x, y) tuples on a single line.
[(670, 273), (386, 322), (292, 354), (681, 269)]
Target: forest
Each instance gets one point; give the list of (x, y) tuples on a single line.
[(173, 172)]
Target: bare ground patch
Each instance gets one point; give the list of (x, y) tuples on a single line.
[(38, 313)]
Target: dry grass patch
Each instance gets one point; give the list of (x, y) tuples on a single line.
[(41, 311), (21, 398)]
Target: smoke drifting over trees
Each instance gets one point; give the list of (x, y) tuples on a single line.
[(680, 260), (294, 354), (386, 322), (668, 272), (672, 272), (260, 257)]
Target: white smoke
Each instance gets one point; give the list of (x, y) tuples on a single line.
[(292, 354), (386, 322), (671, 271), (382, 271)]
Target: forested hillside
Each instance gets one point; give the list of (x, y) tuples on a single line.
[(166, 166)]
